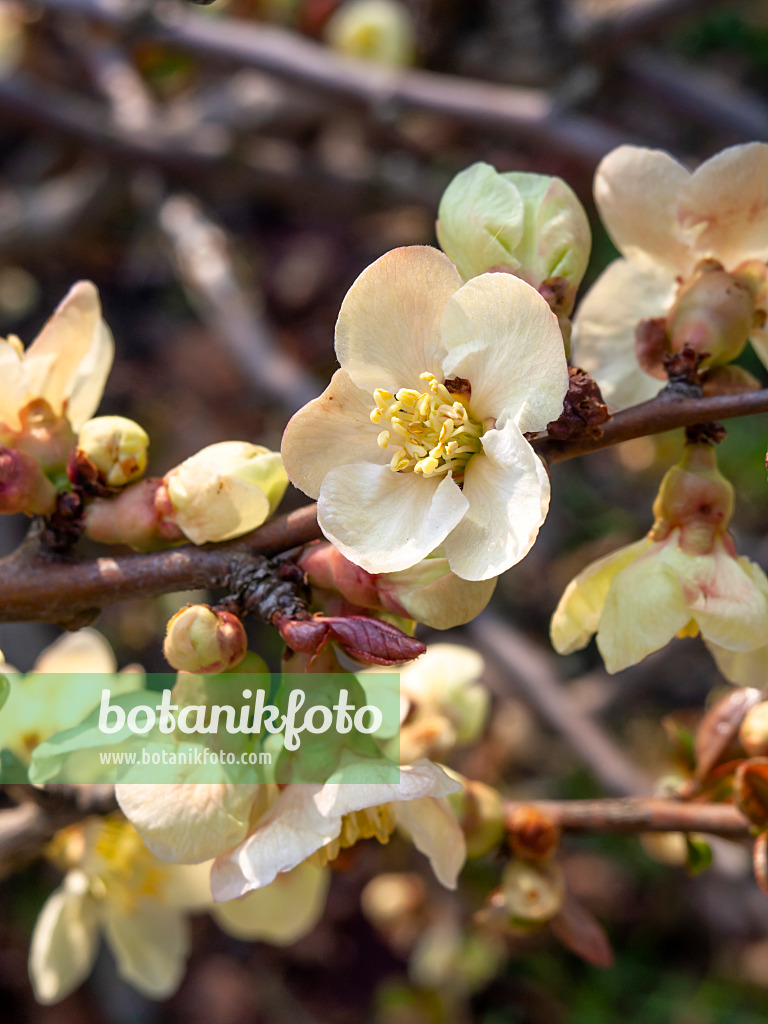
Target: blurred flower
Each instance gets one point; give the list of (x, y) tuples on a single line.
[(52, 388), (457, 374), (427, 592), (203, 639), (693, 272), (223, 491), (682, 579), (62, 689), (114, 886), (11, 37), (377, 30), (529, 225), (116, 446)]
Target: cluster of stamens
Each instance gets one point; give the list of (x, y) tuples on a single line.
[(433, 431), (378, 822)]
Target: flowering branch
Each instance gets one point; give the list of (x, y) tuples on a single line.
[(640, 814)]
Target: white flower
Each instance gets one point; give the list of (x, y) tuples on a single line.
[(66, 366), (115, 887), (665, 221), (439, 381)]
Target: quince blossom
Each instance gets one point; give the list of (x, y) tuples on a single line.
[(60, 376), (694, 248), (418, 441), (682, 579)]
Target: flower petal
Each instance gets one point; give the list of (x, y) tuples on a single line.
[(385, 521), (64, 943), (604, 329), (282, 912), (188, 823), (508, 493), (333, 430), (287, 834), (434, 831), (636, 191), (388, 331), (70, 359), (743, 668), (420, 779), (84, 651), (150, 945), (723, 208), (644, 609), (503, 338), (577, 615)]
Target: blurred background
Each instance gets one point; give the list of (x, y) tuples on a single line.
[(223, 174)]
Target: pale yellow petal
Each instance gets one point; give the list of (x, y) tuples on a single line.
[(503, 338), (282, 912), (723, 208), (385, 521), (84, 651), (636, 191), (64, 943), (150, 945), (507, 488), (578, 613), (433, 829), (333, 430), (603, 341), (388, 331), (743, 668)]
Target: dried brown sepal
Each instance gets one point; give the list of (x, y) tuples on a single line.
[(750, 790), (719, 728), (760, 861), (652, 346), (558, 294), (580, 932), (712, 432), (65, 525), (683, 371), (364, 638), (459, 386), (532, 833), (86, 477), (584, 410)]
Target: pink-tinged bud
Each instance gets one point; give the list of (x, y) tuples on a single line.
[(695, 497), (202, 639), (132, 517), (46, 437), (753, 733), (327, 569), (24, 487), (368, 640), (714, 313)]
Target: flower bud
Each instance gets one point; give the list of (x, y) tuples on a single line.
[(480, 811), (24, 487), (533, 893), (532, 833), (529, 225), (714, 313), (753, 733), (131, 517), (201, 639), (377, 30), (223, 491), (116, 446), (695, 497)]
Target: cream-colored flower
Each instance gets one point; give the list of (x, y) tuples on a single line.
[(223, 491), (63, 687), (376, 30), (665, 221), (117, 446), (418, 440), (114, 887), (684, 578), (64, 369), (257, 832)]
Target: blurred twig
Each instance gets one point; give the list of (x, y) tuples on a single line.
[(531, 672)]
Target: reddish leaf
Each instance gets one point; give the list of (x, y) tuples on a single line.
[(367, 639), (582, 933), (720, 727)]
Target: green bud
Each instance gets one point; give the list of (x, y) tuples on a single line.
[(116, 446)]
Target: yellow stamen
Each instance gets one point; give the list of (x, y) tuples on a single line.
[(378, 822)]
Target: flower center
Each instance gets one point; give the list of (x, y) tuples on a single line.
[(376, 821), (431, 433)]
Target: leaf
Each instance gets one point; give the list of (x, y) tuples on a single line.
[(699, 855), (750, 790), (582, 933), (720, 727)]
